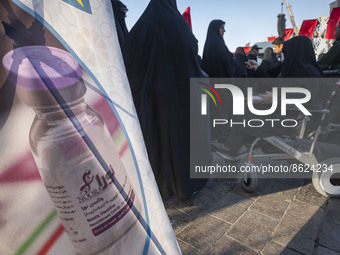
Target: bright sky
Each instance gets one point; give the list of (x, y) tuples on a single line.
[(246, 20)]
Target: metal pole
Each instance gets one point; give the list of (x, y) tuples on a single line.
[(296, 32)]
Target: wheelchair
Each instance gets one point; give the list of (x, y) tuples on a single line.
[(331, 131), (302, 150)]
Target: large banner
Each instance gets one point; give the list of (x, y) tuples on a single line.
[(95, 176)]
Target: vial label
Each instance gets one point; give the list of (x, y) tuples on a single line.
[(93, 211), (100, 211)]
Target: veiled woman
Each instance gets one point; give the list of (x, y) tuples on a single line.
[(217, 62), (160, 55)]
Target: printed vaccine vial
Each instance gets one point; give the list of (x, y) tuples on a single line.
[(94, 210)]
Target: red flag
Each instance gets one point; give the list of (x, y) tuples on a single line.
[(308, 27), (289, 32), (246, 49), (187, 16), (333, 19)]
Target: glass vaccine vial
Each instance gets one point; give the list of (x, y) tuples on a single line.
[(92, 209)]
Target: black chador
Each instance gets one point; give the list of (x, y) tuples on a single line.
[(160, 55)]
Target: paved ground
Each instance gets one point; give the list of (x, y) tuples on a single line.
[(282, 217)]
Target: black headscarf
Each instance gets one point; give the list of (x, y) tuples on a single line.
[(240, 70), (269, 59), (299, 62), (217, 60), (119, 11), (300, 59), (160, 55)]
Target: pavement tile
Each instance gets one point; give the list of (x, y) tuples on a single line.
[(291, 224), (227, 246), (309, 195), (222, 185), (330, 236), (324, 251), (197, 204), (253, 230), (333, 212), (179, 219), (280, 185), (188, 250), (230, 207), (292, 182), (200, 202), (302, 244), (203, 232), (304, 210), (272, 248), (335, 201), (299, 227), (206, 196), (190, 209), (239, 190), (276, 201), (295, 239), (262, 185), (285, 234)]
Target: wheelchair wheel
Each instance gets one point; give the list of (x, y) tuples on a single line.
[(327, 183), (249, 182)]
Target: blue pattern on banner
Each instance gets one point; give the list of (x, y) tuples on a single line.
[(145, 224), (83, 5)]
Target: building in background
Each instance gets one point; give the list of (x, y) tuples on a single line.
[(333, 5)]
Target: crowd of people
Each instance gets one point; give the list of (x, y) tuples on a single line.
[(161, 55)]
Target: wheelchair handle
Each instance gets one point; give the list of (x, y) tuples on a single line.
[(331, 72)]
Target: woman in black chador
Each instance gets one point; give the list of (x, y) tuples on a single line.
[(217, 62), (119, 11), (301, 61), (160, 55)]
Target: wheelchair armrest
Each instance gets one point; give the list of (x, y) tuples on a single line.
[(294, 108)]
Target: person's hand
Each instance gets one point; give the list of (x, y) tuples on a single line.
[(252, 64), (266, 98)]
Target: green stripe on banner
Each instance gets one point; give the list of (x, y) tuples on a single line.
[(35, 234)]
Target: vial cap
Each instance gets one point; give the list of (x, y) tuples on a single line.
[(42, 72), (29, 66)]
